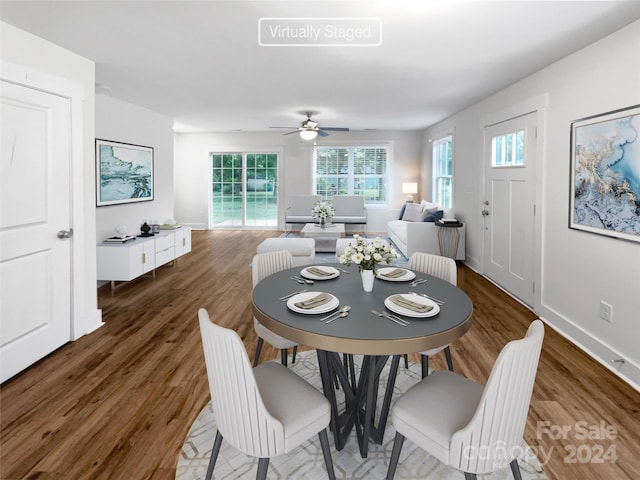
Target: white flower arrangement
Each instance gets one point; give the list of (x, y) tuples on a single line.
[(322, 210), (367, 254)]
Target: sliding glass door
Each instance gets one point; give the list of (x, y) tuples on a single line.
[(244, 189)]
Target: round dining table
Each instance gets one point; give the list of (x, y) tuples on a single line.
[(361, 332)]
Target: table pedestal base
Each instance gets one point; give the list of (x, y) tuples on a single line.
[(360, 396)]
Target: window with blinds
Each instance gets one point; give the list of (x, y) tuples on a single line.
[(352, 171), (442, 155)]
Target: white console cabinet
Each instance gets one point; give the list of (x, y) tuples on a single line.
[(124, 262)]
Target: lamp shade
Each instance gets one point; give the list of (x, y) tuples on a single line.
[(308, 134), (409, 188)]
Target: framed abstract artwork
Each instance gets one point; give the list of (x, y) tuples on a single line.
[(124, 173), (605, 174)]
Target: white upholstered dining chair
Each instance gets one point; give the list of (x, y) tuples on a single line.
[(264, 411), (263, 265), (445, 269), (469, 427)]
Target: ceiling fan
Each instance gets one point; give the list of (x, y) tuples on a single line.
[(309, 129)]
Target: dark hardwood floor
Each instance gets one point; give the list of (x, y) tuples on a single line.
[(117, 403)]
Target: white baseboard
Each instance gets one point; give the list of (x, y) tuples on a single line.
[(595, 348), (628, 371), (93, 322)]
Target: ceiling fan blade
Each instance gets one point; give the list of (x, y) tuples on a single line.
[(335, 129), (322, 133), (289, 133)]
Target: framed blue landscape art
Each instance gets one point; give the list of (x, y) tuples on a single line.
[(124, 173), (605, 174)]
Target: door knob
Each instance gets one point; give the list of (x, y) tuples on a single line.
[(485, 213), (62, 234)]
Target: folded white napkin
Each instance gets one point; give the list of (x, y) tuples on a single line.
[(313, 302), (398, 272), (411, 305), (319, 272)]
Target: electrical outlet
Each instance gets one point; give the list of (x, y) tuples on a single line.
[(606, 312)]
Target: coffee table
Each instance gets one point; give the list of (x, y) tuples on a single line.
[(325, 237)]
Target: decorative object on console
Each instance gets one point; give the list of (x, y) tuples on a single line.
[(122, 231), (145, 230), (409, 189), (605, 178), (169, 224), (124, 173)]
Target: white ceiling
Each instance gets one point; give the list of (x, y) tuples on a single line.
[(201, 63)]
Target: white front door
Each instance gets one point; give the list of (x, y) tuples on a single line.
[(509, 205), (35, 264)]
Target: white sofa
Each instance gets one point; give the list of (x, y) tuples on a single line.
[(418, 236), (349, 209)]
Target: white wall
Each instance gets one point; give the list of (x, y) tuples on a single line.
[(578, 269), (296, 176), (22, 48), (124, 122)]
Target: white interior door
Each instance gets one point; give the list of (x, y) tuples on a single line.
[(35, 264), (509, 205)]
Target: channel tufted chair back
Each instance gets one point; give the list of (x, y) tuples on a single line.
[(263, 265), (264, 411), (444, 268)]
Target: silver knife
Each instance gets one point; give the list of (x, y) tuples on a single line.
[(292, 294)]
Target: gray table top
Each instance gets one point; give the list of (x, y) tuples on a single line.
[(362, 332)]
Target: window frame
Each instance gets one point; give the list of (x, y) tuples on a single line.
[(437, 175), (512, 154), (386, 178)]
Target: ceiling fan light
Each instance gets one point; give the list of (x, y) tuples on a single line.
[(308, 134)]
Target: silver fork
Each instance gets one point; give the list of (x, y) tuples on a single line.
[(393, 318), (439, 302), (305, 280), (417, 282)]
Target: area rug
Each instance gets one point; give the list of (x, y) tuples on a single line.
[(306, 462)]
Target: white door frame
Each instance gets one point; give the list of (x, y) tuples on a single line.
[(31, 78), (243, 151), (538, 104)]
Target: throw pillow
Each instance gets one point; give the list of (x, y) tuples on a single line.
[(429, 207), (402, 211), (433, 217), (412, 212)]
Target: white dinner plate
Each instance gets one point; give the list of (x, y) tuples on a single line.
[(408, 275), (394, 307), (333, 271), (301, 297)]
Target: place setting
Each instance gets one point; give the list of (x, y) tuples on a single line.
[(395, 274), (412, 305), (316, 272), (312, 303)]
